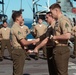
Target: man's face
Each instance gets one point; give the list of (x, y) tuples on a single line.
[(54, 13), (48, 18), (40, 21), (22, 23), (4, 24), (20, 19)]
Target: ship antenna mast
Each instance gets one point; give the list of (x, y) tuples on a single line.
[(3, 6), (21, 5), (33, 1), (48, 4)]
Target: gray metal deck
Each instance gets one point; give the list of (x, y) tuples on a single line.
[(33, 67)]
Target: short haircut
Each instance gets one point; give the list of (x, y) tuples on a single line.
[(55, 5), (39, 18), (4, 21), (16, 14), (49, 13)]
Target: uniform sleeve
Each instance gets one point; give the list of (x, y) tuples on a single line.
[(0, 31), (66, 27), (18, 34), (73, 30), (45, 28), (28, 30), (34, 30)]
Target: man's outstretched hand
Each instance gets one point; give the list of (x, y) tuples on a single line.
[(30, 51), (36, 41)]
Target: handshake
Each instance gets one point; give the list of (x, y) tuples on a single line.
[(33, 51), (43, 43)]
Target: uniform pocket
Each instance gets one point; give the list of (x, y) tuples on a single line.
[(61, 50), (16, 52), (64, 50)]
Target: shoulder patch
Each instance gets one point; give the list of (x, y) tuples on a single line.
[(19, 32), (66, 25)]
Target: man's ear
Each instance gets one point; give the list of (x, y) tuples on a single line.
[(16, 19), (56, 9)]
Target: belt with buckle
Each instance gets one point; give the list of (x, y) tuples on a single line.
[(62, 45), (17, 47)]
